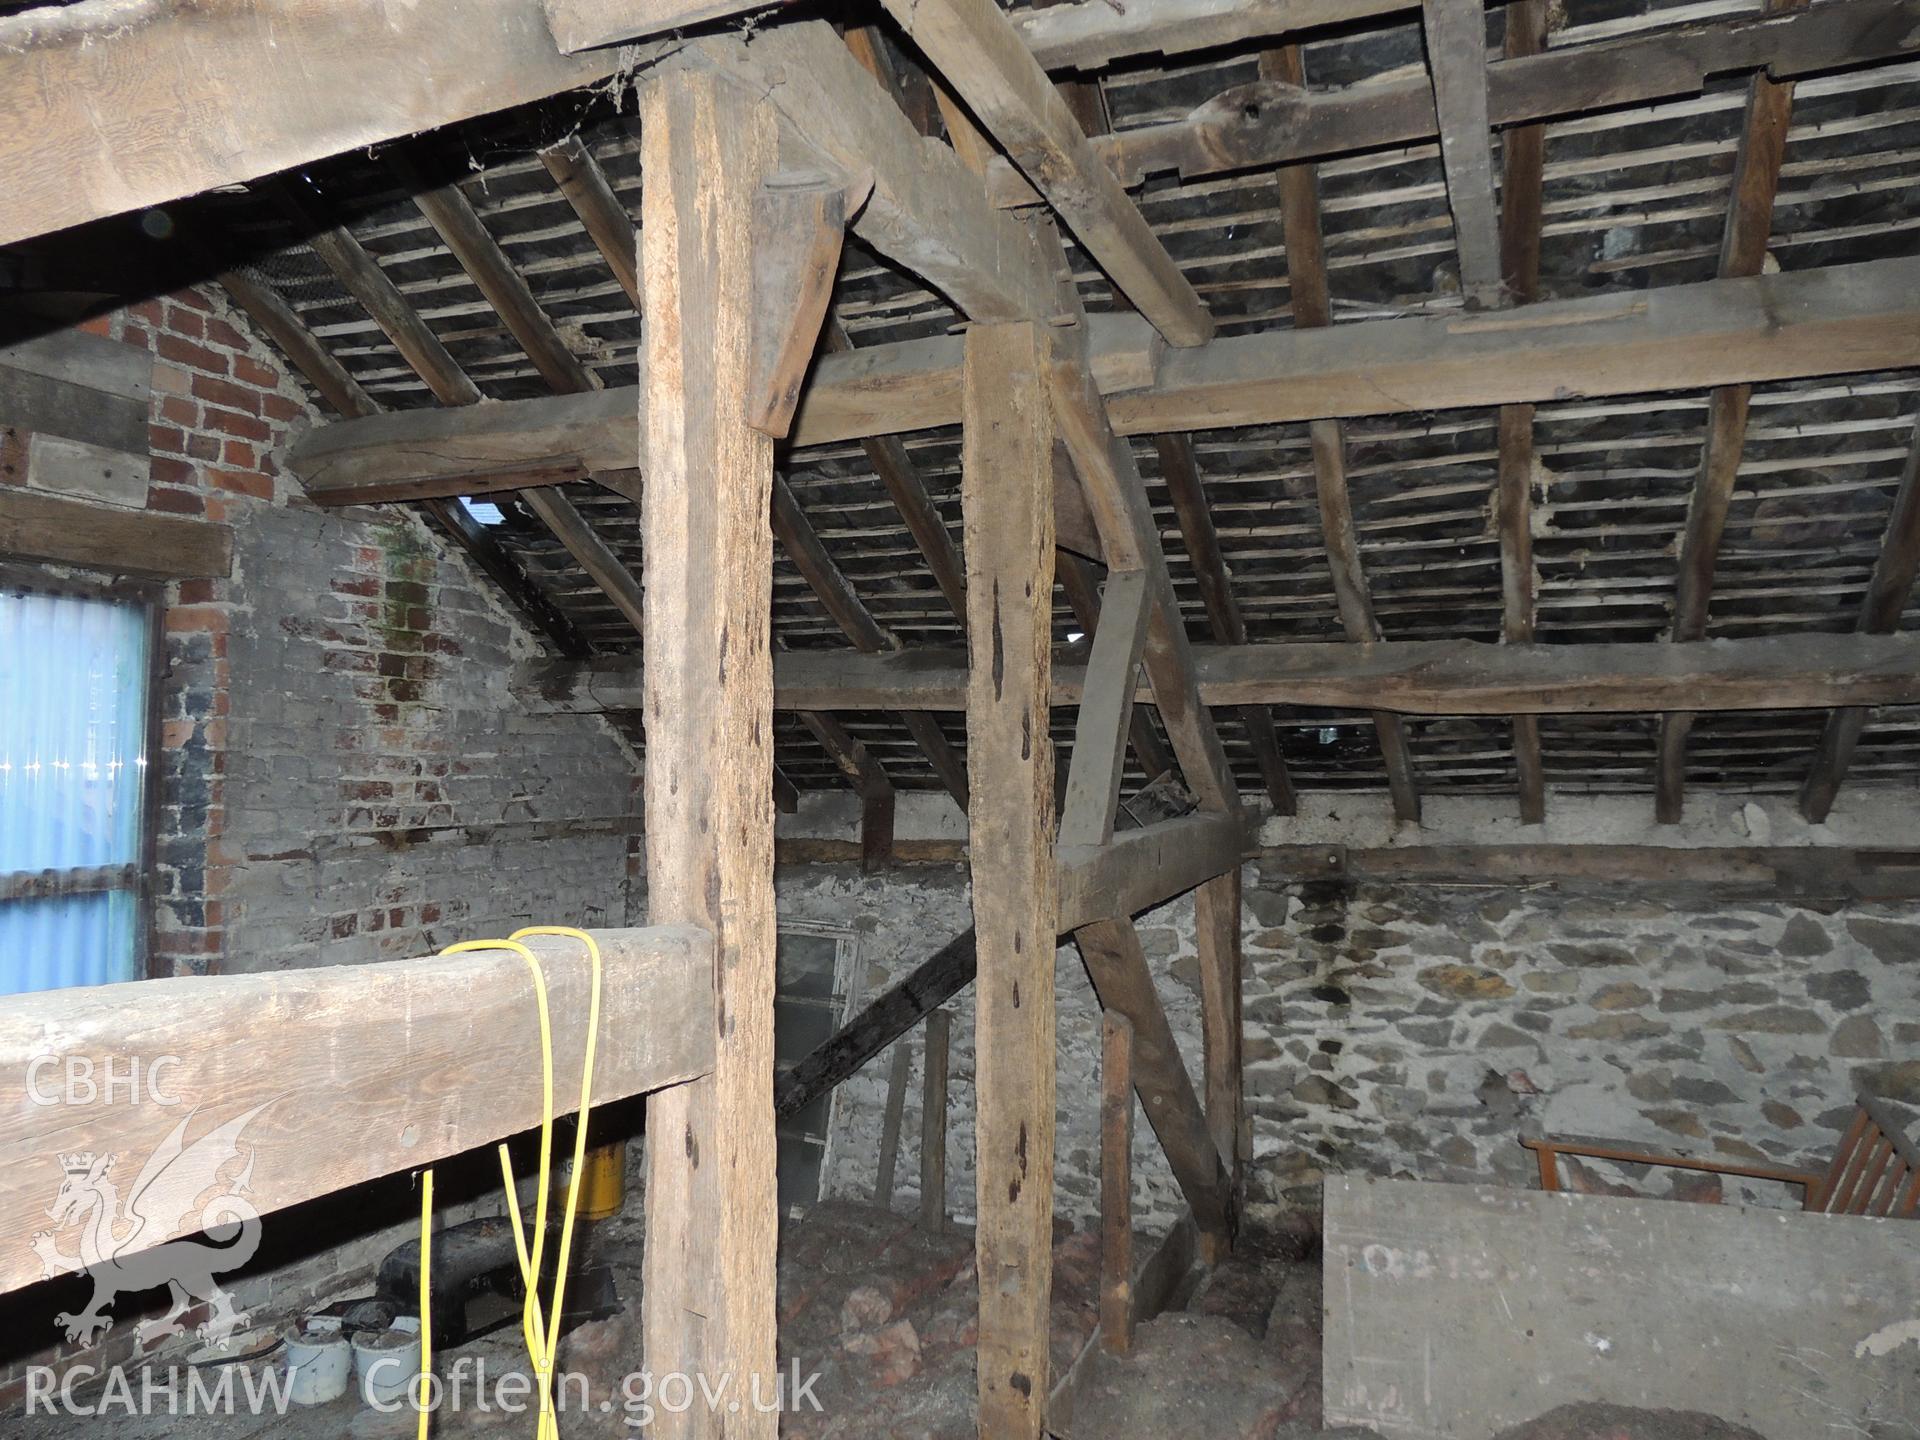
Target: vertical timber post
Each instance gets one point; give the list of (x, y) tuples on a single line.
[(1216, 906), (1116, 1182), (711, 1207), (1007, 501)]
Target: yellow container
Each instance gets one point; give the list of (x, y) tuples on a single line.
[(603, 1181)]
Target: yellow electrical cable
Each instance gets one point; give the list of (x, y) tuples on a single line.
[(426, 1296), (541, 1330)]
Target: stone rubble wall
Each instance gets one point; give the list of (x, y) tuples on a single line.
[(1421, 1031)]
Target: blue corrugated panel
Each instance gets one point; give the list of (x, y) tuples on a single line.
[(73, 677)]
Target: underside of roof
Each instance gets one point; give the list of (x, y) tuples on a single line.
[(1633, 197)]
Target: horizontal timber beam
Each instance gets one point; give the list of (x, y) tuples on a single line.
[(417, 1059), (1841, 319), (1266, 122), (1141, 868), (1413, 677), (1771, 871), (111, 105), (55, 530)]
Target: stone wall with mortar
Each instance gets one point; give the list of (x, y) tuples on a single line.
[(1421, 1031)]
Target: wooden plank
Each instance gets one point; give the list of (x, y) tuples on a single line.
[(1523, 153), (1006, 483), (1180, 473), (278, 321), (1311, 296), (1888, 592), (48, 406), (451, 214), (1124, 982), (933, 1125), (711, 1201), (1836, 320), (836, 594), (975, 49), (1411, 677), (1110, 477), (1270, 123), (1743, 249), (926, 212), (1457, 63), (1093, 34), (909, 493), (1141, 868), (1116, 1182), (800, 224), (1077, 583), (869, 780), (924, 989), (590, 24), (204, 98), (1217, 924), (1748, 871), (601, 212), (786, 795), (1106, 711), (419, 1059), (79, 358), (52, 530), (361, 276), (896, 1108)]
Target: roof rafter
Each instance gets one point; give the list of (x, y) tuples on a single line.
[(1743, 249)]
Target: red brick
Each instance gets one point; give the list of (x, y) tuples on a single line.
[(240, 455), (178, 410), (166, 439), (192, 299), (165, 470), (282, 408), (221, 333), (186, 322), (202, 446), (360, 585), (173, 501), (225, 392), (196, 619), (246, 368), (98, 325), (194, 356), (242, 482), (247, 427), (195, 592), (153, 311)]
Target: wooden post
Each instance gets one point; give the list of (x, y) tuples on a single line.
[(1116, 1182), (933, 1126), (890, 1124), (711, 1202), (1007, 500), (1216, 915)]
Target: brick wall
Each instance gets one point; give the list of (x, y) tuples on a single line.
[(344, 775)]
